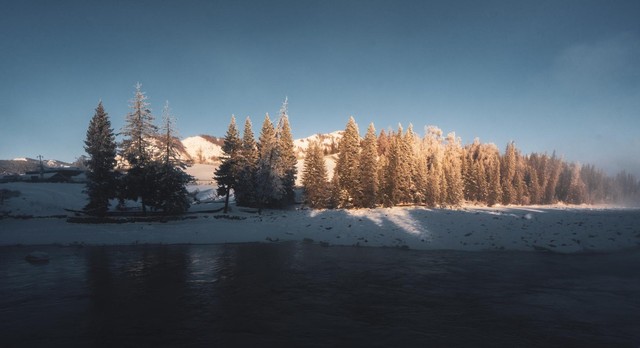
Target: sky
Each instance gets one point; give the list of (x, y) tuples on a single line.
[(555, 75)]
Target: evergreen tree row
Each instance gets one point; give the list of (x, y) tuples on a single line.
[(260, 174), (150, 169), (400, 168)]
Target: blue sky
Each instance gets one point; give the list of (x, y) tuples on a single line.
[(550, 75)]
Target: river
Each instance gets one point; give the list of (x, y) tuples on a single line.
[(306, 294)]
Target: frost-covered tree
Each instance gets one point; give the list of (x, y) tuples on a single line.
[(436, 183), (227, 174), (407, 166), (269, 189), (397, 186), (137, 149), (509, 163), (453, 171), (346, 173), (314, 177), (139, 131), (369, 169), (492, 170), (245, 187), (100, 145), (171, 194), (552, 171), (287, 157), (168, 139)]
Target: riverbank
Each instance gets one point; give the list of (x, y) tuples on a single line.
[(43, 214)]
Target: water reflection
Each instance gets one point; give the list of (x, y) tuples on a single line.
[(306, 294)]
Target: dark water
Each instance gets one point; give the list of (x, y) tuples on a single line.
[(302, 294)]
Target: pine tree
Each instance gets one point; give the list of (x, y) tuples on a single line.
[(138, 131), (346, 173), (368, 169), (453, 171), (314, 177), (171, 180), (287, 158), (407, 165), (100, 145), (509, 163), (227, 174), (169, 142), (436, 183), (269, 188), (494, 189), (138, 151), (244, 192)]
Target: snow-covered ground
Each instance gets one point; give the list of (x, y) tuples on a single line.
[(557, 228)]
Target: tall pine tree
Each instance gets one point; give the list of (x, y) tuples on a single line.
[(227, 174), (245, 187), (346, 173), (314, 177), (138, 151), (269, 189), (287, 158), (100, 145), (172, 196), (369, 169)]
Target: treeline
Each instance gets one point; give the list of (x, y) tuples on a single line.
[(401, 168), (144, 166)]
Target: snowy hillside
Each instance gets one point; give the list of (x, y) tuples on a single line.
[(329, 143), (201, 149)]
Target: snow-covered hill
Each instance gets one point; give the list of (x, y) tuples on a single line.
[(329, 143), (203, 149)]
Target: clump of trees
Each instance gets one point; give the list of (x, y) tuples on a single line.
[(261, 174), (402, 168), (150, 169)]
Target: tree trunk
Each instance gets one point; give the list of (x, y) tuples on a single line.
[(226, 201)]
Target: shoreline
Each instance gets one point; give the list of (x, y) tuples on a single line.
[(559, 229)]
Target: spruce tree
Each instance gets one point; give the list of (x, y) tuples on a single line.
[(314, 177), (172, 195), (139, 130), (100, 145), (245, 187), (269, 189), (494, 189), (508, 173), (407, 166), (227, 174), (453, 171), (436, 183), (138, 151), (346, 171), (287, 158), (369, 169), (390, 191)]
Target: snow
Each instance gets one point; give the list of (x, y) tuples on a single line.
[(301, 145), (558, 228), (202, 172), (22, 159), (210, 151)]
